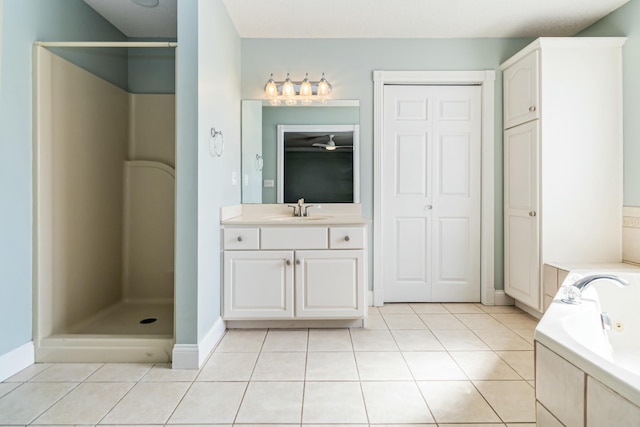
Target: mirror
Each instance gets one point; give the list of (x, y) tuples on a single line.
[(260, 178)]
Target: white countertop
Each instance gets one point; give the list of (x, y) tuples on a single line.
[(279, 214)]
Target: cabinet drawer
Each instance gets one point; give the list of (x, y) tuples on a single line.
[(294, 238), (241, 238), (346, 237)]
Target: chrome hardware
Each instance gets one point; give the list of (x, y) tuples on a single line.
[(297, 262), (532, 213), (306, 210), (347, 238), (428, 207), (239, 238), (288, 262), (532, 109), (573, 292), (605, 318)]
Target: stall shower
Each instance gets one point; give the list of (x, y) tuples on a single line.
[(105, 204)]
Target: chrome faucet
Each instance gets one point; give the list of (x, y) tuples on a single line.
[(298, 208), (573, 292)]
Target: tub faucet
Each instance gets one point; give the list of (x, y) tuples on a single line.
[(574, 291)]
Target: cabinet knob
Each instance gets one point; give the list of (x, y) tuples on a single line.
[(297, 262), (347, 238), (532, 109), (239, 238), (532, 213), (288, 262), (428, 207)]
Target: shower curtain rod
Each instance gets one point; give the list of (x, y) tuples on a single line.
[(107, 44)]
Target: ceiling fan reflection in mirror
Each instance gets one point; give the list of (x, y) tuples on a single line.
[(330, 145)]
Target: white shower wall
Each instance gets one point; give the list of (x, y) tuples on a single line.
[(89, 239)]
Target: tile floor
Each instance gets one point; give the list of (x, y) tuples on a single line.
[(415, 364)]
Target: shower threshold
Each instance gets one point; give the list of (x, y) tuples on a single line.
[(125, 332)]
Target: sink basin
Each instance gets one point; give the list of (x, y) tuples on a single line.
[(298, 218)]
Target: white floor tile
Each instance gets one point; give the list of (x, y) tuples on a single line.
[(416, 340), (429, 308), (162, 372), (516, 320), (5, 388), (503, 339), (86, 404), (333, 403), (395, 308), (330, 340), (28, 401), (521, 361), (331, 366), (382, 366), (283, 340), (29, 372), (147, 403), (209, 403), (395, 402), (433, 365), (373, 340), (456, 402), (376, 321), (484, 365), (120, 372), (404, 321), (228, 367), (479, 321), (460, 340), (442, 321), (67, 372), (242, 341), (462, 308), (272, 402), (280, 367), (514, 401)]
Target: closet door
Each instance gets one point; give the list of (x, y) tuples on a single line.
[(431, 194), (521, 216)]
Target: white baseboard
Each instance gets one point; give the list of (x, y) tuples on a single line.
[(16, 360), (193, 356), (500, 298)]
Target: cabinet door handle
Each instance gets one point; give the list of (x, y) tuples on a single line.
[(297, 262), (239, 238), (532, 109), (347, 238), (288, 262), (532, 213)]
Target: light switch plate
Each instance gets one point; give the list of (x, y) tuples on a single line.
[(268, 183)]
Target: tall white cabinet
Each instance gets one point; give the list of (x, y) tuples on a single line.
[(562, 158)]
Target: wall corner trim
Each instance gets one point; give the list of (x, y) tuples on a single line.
[(193, 356), (16, 360)]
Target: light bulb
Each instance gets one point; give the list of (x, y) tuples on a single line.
[(305, 86), (324, 88), (287, 88), (271, 89)]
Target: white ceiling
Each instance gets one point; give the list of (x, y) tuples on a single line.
[(373, 18)]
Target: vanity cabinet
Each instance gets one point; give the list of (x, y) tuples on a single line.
[(562, 159), (294, 273)]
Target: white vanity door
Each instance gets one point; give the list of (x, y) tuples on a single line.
[(330, 284), (258, 285)]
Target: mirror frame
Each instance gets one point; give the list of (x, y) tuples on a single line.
[(318, 128)]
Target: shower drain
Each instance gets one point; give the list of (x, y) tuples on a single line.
[(148, 320)]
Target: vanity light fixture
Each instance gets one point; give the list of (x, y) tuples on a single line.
[(292, 92)]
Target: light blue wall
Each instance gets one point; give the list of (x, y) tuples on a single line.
[(151, 70), (626, 22), (208, 95), (349, 64), (25, 21)]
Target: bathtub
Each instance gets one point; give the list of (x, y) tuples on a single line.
[(578, 362)]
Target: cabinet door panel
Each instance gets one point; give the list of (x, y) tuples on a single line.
[(258, 284), (330, 284), (522, 247), (521, 91)]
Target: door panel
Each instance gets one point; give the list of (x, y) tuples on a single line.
[(431, 193)]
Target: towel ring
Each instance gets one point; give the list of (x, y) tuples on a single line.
[(216, 143), (259, 162)]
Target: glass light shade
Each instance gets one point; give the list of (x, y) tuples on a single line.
[(305, 87), (271, 89), (324, 88), (330, 148), (288, 90)]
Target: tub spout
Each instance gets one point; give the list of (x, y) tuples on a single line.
[(574, 291)]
